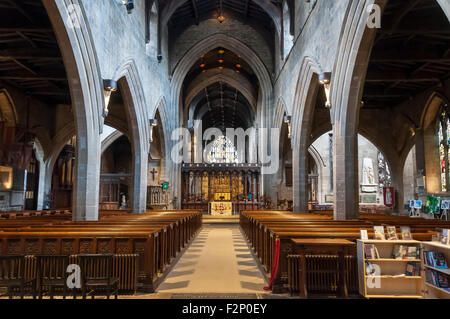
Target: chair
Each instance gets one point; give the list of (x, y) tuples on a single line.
[(97, 274), (52, 273), (12, 275)]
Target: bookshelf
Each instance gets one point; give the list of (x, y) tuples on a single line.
[(392, 281), (431, 291)]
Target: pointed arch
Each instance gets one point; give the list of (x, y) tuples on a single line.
[(350, 70), (130, 84), (73, 34), (302, 120)]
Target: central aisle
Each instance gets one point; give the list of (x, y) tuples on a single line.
[(218, 261)]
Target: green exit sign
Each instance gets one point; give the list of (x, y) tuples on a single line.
[(165, 186)]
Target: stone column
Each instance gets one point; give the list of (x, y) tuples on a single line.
[(140, 179), (346, 178), (87, 179), (397, 183), (42, 188), (300, 179)]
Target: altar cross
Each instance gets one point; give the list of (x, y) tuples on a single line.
[(153, 172)]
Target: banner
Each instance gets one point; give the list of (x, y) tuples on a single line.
[(432, 206)]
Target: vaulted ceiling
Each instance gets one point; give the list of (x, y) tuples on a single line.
[(192, 12), (221, 59), (30, 59), (223, 106), (411, 53)]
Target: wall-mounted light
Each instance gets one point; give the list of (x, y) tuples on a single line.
[(129, 4), (109, 86), (287, 120), (153, 124), (325, 80)]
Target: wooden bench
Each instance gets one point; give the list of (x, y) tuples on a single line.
[(156, 237), (264, 228)]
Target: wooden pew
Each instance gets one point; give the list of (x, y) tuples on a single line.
[(264, 228), (156, 237)]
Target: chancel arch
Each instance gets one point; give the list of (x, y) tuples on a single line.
[(224, 45)]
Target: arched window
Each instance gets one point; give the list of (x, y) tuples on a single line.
[(222, 151), (288, 38), (384, 174), (444, 154)]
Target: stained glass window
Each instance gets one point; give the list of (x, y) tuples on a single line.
[(222, 151), (444, 154), (384, 174)]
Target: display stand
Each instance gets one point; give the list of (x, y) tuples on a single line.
[(431, 291), (391, 281)]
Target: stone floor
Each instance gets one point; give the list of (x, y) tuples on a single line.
[(217, 261)]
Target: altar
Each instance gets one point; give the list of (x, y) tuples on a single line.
[(221, 189), (221, 209)]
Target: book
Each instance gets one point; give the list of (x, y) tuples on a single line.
[(412, 252), (391, 233), (379, 232), (439, 261), (364, 234), (430, 277), (377, 255), (369, 251), (406, 232), (445, 239), (442, 280), (413, 269), (403, 252), (396, 252), (436, 237)]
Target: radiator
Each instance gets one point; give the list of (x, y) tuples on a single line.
[(125, 267), (322, 274)]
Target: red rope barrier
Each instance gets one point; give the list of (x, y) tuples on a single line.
[(275, 265)]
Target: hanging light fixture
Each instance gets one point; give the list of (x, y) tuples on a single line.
[(109, 86), (288, 120), (221, 53), (202, 62), (221, 17), (153, 123), (325, 80)]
